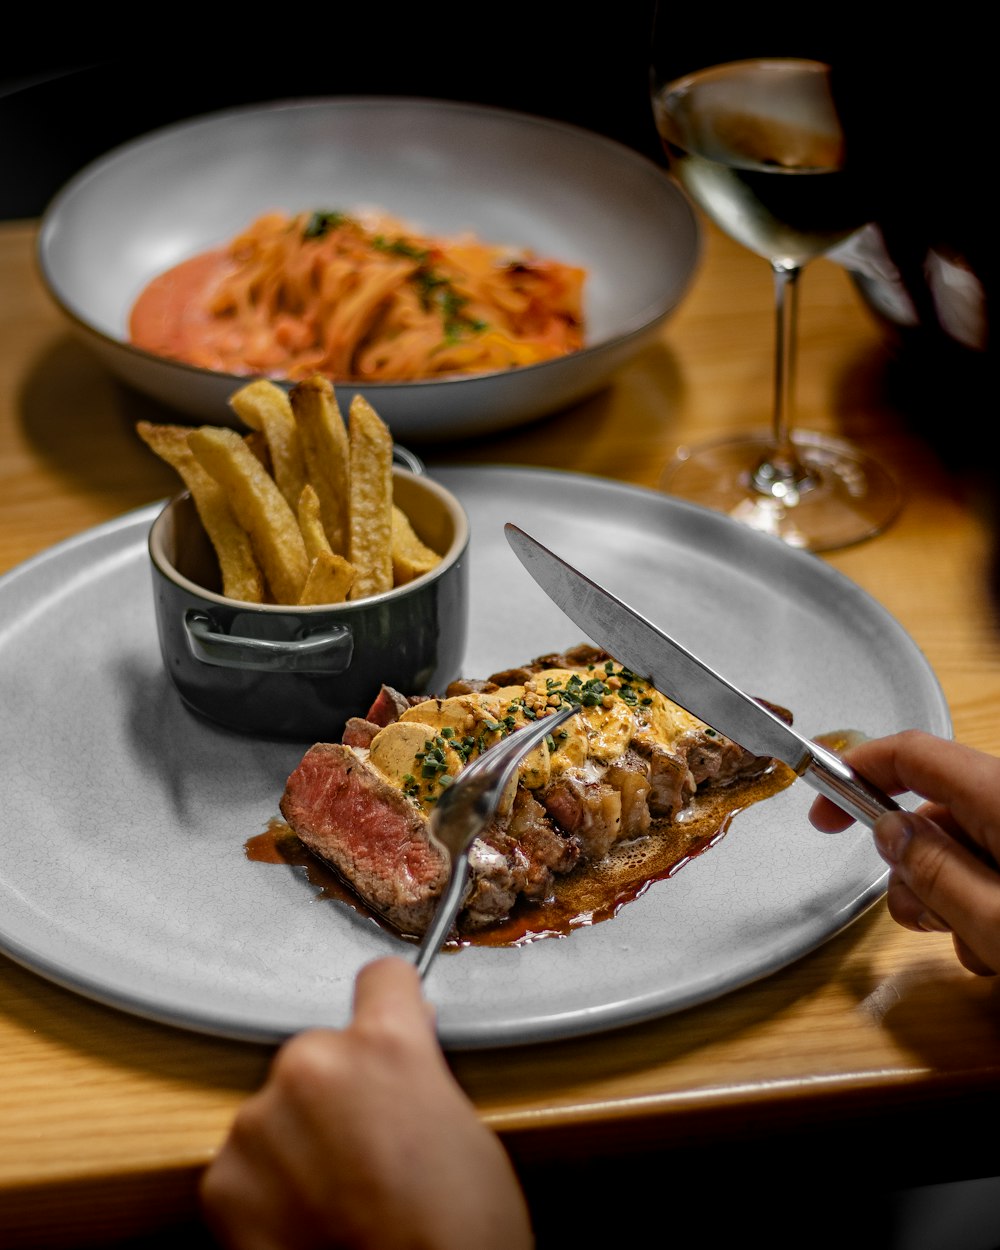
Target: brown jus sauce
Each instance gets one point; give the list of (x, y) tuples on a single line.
[(588, 895)]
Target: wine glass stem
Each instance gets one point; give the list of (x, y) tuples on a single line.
[(781, 474)]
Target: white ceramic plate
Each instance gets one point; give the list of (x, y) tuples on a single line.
[(123, 874), (510, 178)]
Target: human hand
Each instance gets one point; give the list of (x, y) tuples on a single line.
[(945, 858), (362, 1137)]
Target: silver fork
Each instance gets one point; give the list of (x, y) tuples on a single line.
[(466, 808)]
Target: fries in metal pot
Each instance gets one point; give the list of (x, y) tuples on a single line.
[(300, 509)]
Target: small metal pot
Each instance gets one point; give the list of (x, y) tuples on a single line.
[(300, 672)]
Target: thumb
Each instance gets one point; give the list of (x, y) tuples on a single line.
[(391, 986)]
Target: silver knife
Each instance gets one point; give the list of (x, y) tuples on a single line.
[(639, 645)]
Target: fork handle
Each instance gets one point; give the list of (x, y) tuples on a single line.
[(444, 918)]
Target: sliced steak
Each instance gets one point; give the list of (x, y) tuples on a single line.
[(359, 732), (591, 810), (519, 857), (634, 759), (388, 706)]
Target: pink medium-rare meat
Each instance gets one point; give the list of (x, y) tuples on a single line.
[(359, 732), (369, 831)]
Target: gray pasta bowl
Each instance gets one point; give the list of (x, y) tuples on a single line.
[(448, 168)]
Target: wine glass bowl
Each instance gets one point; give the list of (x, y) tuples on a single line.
[(729, 129), (758, 146)]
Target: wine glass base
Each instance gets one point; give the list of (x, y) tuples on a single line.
[(848, 498)]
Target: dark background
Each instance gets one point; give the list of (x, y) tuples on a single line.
[(62, 107), (56, 116)]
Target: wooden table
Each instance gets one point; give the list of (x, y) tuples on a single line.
[(879, 1037)]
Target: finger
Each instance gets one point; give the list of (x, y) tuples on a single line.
[(245, 1194), (952, 885), (390, 989), (945, 772), (945, 818), (388, 980), (388, 975), (910, 911), (827, 817), (969, 959)]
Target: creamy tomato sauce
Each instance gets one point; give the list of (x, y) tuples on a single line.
[(171, 318)]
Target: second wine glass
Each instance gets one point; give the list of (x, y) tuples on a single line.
[(758, 146)]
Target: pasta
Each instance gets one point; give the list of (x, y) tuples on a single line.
[(360, 299)]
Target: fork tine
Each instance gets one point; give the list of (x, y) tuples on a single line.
[(473, 800)]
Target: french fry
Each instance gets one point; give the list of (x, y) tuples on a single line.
[(259, 506), (311, 523), (369, 546), (265, 408), (257, 443), (329, 580), (273, 549), (241, 575), (410, 556), (326, 454)]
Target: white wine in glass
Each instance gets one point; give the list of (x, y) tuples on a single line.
[(758, 146)]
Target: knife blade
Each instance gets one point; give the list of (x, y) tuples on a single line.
[(639, 645)]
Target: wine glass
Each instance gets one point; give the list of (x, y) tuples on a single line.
[(758, 146)]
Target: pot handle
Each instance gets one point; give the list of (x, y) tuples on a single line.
[(328, 651), (407, 459)]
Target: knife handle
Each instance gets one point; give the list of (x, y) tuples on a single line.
[(828, 774)]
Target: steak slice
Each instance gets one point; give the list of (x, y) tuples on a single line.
[(591, 810), (517, 857), (350, 816)]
